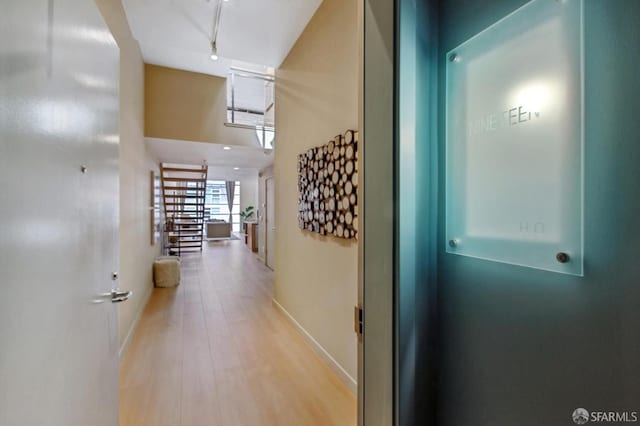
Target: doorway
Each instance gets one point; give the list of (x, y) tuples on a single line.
[(270, 222)]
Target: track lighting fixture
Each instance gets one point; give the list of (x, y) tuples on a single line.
[(214, 34), (214, 51)]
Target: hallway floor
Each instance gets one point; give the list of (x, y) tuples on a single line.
[(213, 351)]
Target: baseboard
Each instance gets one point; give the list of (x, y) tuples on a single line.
[(349, 381), (134, 324)]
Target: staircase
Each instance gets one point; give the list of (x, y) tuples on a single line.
[(183, 191)]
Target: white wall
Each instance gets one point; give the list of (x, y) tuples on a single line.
[(317, 89), (249, 192), (136, 252), (249, 195)]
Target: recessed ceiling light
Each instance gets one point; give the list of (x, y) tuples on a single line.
[(236, 168), (227, 148)]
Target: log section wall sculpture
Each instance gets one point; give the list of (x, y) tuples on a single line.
[(328, 187)]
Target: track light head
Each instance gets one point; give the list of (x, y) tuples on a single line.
[(214, 51)]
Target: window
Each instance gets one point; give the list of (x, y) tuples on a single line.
[(216, 206), (251, 103)]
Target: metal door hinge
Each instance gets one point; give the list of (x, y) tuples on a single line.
[(358, 324)]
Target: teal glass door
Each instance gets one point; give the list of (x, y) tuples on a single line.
[(522, 339)]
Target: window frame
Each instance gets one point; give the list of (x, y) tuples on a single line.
[(235, 217)]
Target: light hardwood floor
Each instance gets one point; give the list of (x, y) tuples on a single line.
[(213, 351)]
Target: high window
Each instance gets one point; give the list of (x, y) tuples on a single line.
[(251, 103), (216, 203)]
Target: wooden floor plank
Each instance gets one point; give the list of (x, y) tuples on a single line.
[(214, 351)]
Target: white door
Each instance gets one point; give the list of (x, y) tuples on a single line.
[(59, 113), (271, 222)]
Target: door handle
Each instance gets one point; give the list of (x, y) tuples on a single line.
[(118, 296), (115, 295)]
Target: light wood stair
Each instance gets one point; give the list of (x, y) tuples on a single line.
[(183, 192)]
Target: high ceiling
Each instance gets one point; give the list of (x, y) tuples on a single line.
[(254, 34)]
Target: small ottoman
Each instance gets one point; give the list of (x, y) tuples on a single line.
[(166, 271)]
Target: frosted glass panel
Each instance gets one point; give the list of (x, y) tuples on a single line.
[(514, 140)]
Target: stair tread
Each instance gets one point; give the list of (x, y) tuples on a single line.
[(182, 179), (183, 170), (184, 205), (182, 190), (186, 212)]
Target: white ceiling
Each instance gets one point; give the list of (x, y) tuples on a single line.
[(254, 34), (221, 162)]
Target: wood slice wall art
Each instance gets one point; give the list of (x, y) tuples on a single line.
[(328, 187)]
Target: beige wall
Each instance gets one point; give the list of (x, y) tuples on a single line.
[(136, 252), (189, 106), (317, 98)]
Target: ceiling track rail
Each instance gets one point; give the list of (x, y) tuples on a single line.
[(216, 21)]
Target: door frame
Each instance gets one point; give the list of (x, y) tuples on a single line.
[(266, 219), (376, 352), (396, 285)]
